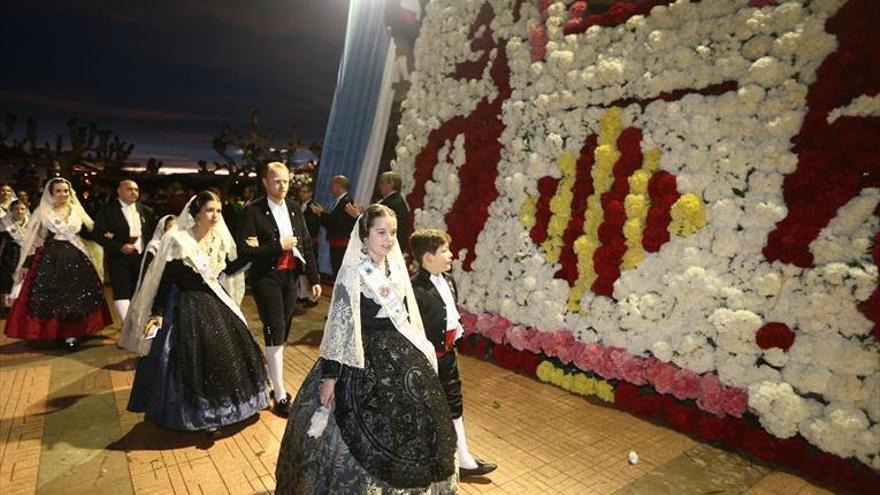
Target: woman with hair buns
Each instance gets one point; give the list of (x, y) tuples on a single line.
[(201, 368), (61, 296)]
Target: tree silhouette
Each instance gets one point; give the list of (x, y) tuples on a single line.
[(247, 151), (85, 144)]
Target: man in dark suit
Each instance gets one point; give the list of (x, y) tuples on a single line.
[(339, 221), (389, 187), (279, 228), (121, 227), (437, 299), (306, 194)]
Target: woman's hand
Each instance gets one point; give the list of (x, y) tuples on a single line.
[(328, 391), (20, 274), (252, 242)]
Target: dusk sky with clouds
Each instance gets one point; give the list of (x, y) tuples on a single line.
[(166, 75)]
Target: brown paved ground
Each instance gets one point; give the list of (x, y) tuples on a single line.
[(64, 429)]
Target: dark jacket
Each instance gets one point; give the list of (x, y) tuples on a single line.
[(431, 306), (313, 221), (111, 220), (398, 205), (338, 222), (257, 221)]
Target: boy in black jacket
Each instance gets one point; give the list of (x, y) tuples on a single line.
[(436, 296)]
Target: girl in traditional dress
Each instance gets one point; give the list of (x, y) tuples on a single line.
[(203, 370), (130, 337), (12, 230), (61, 296), (371, 416)]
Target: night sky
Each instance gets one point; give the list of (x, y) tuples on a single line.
[(166, 75)]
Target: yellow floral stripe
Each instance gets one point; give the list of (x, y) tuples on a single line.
[(577, 382), (688, 216), (636, 204), (527, 212), (560, 206), (606, 155)]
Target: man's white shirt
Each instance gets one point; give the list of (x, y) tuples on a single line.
[(133, 218)]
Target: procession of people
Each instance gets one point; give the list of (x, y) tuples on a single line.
[(381, 409)]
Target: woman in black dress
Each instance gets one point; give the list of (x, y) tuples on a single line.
[(371, 416), (61, 295), (203, 370), (12, 230)]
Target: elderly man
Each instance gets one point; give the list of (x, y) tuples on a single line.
[(120, 228)]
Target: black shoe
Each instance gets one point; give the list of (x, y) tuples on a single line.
[(282, 407), (70, 345), (308, 303), (483, 468), (213, 432)]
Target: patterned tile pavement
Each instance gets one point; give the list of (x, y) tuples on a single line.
[(64, 428)]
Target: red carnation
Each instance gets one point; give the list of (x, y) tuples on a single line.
[(710, 428), (481, 347), (775, 334)]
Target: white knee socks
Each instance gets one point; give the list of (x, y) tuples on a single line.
[(275, 363), (121, 306), (465, 459)]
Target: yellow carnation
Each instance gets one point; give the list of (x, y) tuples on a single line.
[(632, 231), (638, 182), (632, 258), (604, 391), (688, 215), (567, 163), (651, 160), (610, 126), (545, 369)]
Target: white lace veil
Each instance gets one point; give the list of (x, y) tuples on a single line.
[(342, 341), (40, 219), (158, 232), (180, 244)]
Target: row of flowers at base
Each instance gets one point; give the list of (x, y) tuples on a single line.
[(613, 363), (744, 434)]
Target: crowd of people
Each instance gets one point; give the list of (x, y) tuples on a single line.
[(380, 411)]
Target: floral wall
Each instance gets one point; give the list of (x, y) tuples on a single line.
[(669, 205)]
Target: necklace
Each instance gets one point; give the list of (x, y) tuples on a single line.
[(207, 243)]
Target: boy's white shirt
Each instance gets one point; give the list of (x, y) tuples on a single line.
[(452, 315)]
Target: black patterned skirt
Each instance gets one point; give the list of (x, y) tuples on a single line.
[(61, 296), (390, 431), (204, 368)]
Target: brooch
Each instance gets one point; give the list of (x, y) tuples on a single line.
[(384, 291)]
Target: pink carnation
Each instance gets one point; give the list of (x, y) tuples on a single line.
[(493, 327), (557, 343), (588, 356), (468, 321), (662, 376), (518, 337), (498, 330), (632, 369), (711, 398), (568, 350), (607, 366), (735, 401), (686, 385)]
